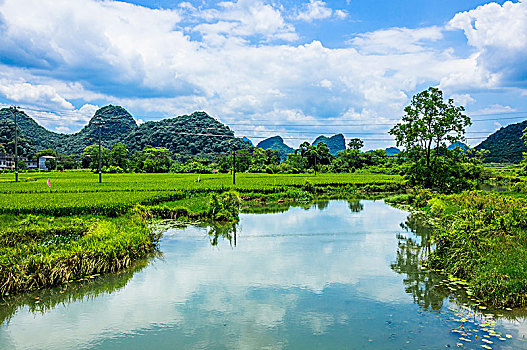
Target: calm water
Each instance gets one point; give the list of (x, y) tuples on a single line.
[(336, 275)]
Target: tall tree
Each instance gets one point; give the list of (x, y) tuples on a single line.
[(428, 123), (119, 155)]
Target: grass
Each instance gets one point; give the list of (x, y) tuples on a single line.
[(80, 193), (482, 238), (52, 254)]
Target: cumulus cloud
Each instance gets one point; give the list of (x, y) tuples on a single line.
[(314, 10), (27, 93), (397, 40), (318, 10), (237, 60), (499, 33), (243, 18)]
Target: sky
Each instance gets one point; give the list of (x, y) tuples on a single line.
[(293, 68)]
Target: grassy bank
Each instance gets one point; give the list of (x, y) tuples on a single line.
[(481, 237), (38, 252)]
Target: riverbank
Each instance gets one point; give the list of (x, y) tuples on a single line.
[(480, 237), (78, 228)]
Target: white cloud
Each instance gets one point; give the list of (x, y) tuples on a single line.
[(239, 60), (462, 99), (341, 14), (29, 94), (318, 10), (243, 18), (397, 40), (499, 33), (314, 10)]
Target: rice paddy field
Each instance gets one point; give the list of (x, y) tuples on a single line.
[(79, 193)]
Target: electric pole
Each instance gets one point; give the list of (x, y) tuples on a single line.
[(14, 111), (99, 121), (234, 168)]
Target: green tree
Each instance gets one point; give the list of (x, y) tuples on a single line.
[(152, 160), (119, 156), (429, 122), (65, 161), (90, 157), (355, 143), (51, 164), (45, 152)]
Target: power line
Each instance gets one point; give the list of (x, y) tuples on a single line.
[(77, 114)]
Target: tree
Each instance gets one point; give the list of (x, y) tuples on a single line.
[(429, 122), (45, 152), (65, 161), (152, 160), (355, 143), (119, 156), (90, 157)]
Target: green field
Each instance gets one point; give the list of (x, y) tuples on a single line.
[(80, 193)]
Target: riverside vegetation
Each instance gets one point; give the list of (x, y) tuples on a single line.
[(79, 228)]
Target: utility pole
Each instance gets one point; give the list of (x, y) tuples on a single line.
[(15, 111), (99, 121), (315, 164), (234, 168)]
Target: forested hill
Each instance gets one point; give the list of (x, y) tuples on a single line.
[(186, 135), (116, 124), (34, 136), (335, 143), (505, 145), (276, 143), (177, 134)]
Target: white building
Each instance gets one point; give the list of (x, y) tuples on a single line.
[(42, 162), (7, 162)]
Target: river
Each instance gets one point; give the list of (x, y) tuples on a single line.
[(332, 275)]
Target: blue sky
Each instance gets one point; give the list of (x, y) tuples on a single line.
[(294, 68)]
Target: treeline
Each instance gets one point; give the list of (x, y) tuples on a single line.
[(306, 159)]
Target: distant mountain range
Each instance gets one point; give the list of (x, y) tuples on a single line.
[(276, 143), (182, 136), (335, 143)]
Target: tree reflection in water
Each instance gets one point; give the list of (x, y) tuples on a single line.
[(224, 230), (355, 206), (411, 251)]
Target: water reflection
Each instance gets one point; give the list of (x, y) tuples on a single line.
[(303, 279), (355, 206), (411, 251), (42, 301), (227, 231)]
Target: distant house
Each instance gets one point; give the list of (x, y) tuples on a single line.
[(7, 161), (42, 162), (31, 163)]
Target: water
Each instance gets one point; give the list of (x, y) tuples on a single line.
[(335, 275)]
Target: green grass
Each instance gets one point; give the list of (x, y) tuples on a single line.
[(48, 256), (482, 238), (80, 193)]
